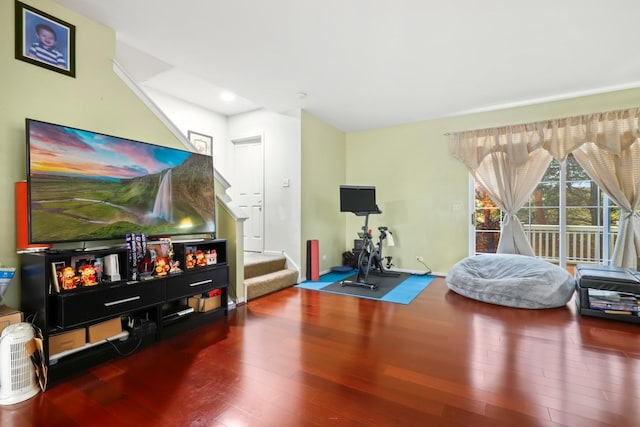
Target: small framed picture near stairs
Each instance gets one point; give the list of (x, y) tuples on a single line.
[(201, 142)]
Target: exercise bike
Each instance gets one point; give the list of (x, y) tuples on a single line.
[(370, 257)]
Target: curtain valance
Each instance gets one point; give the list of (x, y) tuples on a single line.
[(612, 131)]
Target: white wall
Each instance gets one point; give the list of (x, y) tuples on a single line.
[(189, 117), (282, 205), (281, 139)]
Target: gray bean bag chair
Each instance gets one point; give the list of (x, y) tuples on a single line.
[(512, 280)]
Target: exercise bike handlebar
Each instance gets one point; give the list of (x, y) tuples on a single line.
[(367, 213)]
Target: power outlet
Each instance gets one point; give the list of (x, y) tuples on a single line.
[(419, 259)]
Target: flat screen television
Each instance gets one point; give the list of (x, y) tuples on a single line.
[(358, 199), (85, 185)]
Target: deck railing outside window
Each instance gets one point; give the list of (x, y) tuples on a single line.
[(584, 242)]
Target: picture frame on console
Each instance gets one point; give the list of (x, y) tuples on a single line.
[(201, 142), (80, 260)]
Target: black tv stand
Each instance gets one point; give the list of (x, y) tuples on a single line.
[(150, 310)]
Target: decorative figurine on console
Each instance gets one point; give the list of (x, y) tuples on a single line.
[(201, 261), (88, 275), (191, 260), (212, 257), (175, 267), (68, 278), (162, 266)]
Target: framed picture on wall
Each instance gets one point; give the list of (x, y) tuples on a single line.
[(202, 143), (44, 40)]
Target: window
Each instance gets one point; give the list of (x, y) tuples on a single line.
[(568, 219)]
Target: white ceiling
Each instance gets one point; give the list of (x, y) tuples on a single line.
[(366, 64)]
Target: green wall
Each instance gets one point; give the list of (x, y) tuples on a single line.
[(323, 170), (420, 186), (417, 183), (96, 100)]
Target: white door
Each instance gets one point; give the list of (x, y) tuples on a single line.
[(249, 173)]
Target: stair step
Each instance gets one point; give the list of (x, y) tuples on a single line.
[(254, 268), (264, 284)]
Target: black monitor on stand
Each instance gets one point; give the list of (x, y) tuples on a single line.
[(359, 199)]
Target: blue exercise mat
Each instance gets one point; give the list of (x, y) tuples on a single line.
[(401, 289)]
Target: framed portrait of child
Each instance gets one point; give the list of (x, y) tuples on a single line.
[(44, 40)]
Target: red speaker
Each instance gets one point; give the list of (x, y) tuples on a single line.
[(313, 260), (22, 219)]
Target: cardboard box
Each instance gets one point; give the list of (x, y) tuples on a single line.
[(210, 303), (202, 305), (102, 331), (194, 302), (67, 341), (9, 316)]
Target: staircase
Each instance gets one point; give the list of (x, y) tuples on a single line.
[(264, 274)]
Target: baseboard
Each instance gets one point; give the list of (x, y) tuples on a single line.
[(410, 271), (401, 270), (233, 303)]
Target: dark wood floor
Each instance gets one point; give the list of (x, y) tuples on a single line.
[(304, 358)]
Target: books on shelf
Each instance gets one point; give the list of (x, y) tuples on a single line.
[(136, 244)]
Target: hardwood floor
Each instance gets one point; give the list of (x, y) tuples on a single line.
[(304, 358)]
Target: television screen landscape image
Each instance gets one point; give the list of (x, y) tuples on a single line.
[(85, 185)]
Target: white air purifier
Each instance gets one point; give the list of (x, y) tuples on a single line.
[(17, 374)]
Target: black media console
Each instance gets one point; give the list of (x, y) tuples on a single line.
[(148, 310)]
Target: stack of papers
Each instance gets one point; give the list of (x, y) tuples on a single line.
[(610, 300)]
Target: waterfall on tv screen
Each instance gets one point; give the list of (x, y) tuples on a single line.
[(162, 206)]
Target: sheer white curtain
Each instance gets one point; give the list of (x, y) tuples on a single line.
[(509, 162), (611, 157)]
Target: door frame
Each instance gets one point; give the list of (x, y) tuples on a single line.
[(259, 138)]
